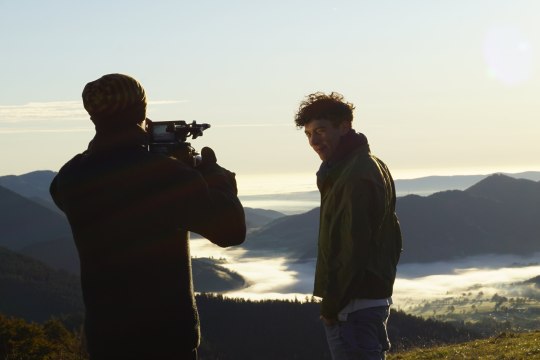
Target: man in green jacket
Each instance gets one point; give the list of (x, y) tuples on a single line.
[(359, 234)]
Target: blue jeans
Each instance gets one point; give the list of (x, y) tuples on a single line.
[(362, 336)]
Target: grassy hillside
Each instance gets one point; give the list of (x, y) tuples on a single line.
[(506, 346)]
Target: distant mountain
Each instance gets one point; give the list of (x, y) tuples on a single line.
[(33, 185), (24, 222), (36, 185), (535, 280), (210, 276), (42, 234), (256, 218), (431, 184), (294, 235), (498, 215), (301, 201), (60, 254), (32, 229), (515, 192)]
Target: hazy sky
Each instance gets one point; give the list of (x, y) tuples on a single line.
[(441, 87)]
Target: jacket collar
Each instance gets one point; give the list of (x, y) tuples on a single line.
[(349, 144), (129, 137)]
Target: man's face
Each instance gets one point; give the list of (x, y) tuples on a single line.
[(324, 138)]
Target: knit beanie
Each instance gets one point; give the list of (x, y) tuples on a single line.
[(115, 99)]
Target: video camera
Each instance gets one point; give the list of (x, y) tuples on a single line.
[(169, 138)]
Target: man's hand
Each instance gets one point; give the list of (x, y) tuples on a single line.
[(208, 156), (215, 175)]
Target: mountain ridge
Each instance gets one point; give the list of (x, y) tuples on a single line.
[(443, 226), (24, 222), (497, 215), (35, 185)]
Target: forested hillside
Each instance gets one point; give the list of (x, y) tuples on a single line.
[(36, 231), (270, 330), (32, 290)]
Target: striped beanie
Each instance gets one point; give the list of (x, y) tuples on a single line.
[(113, 95)]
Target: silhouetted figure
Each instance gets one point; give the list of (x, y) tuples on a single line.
[(359, 234), (130, 211)]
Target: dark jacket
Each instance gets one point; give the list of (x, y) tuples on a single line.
[(359, 234), (130, 211)]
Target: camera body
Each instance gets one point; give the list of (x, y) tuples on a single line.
[(169, 138)]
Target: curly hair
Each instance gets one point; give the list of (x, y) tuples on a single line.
[(324, 106)]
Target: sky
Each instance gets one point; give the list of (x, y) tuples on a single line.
[(446, 87)]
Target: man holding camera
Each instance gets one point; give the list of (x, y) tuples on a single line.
[(130, 211), (359, 234)]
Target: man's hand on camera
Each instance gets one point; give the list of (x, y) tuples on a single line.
[(182, 155), (216, 176)]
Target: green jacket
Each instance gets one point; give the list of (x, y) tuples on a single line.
[(359, 233)]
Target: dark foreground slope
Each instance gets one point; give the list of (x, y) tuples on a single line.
[(244, 330), (52, 340)]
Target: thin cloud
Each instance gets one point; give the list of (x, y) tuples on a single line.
[(54, 111), (30, 131), (254, 125), (167, 102), (27, 118), (39, 111)]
